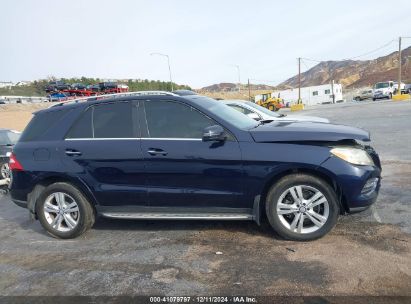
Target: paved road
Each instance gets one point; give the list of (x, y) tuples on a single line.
[(390, 126), (361, 256)]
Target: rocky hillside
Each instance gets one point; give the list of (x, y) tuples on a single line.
[(229, 87), (356, 73)]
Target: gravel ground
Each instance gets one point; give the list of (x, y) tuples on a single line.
[(366, 254)]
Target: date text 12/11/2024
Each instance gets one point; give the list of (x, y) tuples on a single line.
[(203, 299)]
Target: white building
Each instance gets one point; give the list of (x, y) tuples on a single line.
[(6, 84), (311, 95)]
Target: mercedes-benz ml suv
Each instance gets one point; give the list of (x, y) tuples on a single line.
[(164, 156)]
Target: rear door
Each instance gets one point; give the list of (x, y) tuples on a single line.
[(181, 169), (103, 149)]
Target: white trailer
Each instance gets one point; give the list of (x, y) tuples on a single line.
[(312, 95)]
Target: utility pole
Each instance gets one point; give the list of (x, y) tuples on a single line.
[(249, 89), (299, 80), (399, 66)]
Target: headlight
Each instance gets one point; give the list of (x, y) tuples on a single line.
[(354, 156)]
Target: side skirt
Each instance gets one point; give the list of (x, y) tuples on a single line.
[(171, 213)]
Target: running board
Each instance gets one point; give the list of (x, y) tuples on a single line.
[(179, 216)]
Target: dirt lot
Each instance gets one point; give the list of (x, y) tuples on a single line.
[(16, 116), (366, 254)]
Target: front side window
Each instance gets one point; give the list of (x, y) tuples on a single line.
[(112, 120), (315, 93), (166, 119), (328, 91), (241, 109)]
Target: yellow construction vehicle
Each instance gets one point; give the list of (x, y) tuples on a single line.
[(270, 102)]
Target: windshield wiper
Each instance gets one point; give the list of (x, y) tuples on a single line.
[(265, 121)]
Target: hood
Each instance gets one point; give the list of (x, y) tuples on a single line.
[(304, 118), (283, 131)]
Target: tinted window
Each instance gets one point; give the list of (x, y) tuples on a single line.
[(241, 109), (83, 127), (175, 120), (40, 123), (113, 120), (262, 109)]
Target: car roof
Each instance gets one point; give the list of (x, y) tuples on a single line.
[(236, 101), (184, 92), (85, 101)]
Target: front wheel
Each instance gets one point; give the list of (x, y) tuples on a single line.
[(64, 211), (4, 170), (302, 207)]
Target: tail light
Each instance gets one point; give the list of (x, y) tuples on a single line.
[(14, 164)]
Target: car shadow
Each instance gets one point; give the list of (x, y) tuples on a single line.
[(246, 227)]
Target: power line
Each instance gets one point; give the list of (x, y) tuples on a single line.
[(370, 52), (362, 55)]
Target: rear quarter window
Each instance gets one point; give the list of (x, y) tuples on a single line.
[(40, 123)]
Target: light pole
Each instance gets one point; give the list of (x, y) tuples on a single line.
[(169, 68), (239, 80)]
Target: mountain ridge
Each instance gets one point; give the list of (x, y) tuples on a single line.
[(355, 73)]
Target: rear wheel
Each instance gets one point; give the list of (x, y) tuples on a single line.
[(302, 207), (64, 211)]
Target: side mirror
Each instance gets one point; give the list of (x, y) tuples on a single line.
[(214, 133), (254, 116)]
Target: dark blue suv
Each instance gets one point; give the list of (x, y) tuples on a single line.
[(162, 156)]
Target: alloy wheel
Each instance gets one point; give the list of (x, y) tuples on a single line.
[(61, 212), (5, 171), (303, 209)]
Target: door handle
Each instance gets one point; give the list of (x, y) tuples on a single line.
[(153, 151), (72, 152)]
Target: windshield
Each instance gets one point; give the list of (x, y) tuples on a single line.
[(262, 109), (234, 117), (381, 85)]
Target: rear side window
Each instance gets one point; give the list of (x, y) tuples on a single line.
[(40, 123), (113, 120)]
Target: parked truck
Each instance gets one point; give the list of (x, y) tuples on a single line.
[(385, 89)]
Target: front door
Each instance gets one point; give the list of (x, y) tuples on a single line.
[(103, 149), (181, 169)]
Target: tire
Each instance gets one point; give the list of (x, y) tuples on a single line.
[(374, 99), (390, 97), (65, 228), (4, 169), (280, 195)]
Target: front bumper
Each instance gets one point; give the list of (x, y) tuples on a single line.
[(352, 181), (381, 95)]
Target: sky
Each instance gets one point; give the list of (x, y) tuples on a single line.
[(205, 40)]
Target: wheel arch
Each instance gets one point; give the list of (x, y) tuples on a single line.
[(46, 181), (322, 174)]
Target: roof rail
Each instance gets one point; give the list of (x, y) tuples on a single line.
[(107, 96)]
